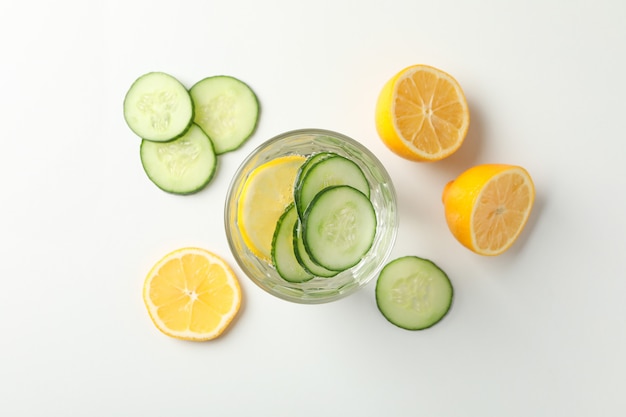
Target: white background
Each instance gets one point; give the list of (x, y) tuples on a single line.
[(538, 331)]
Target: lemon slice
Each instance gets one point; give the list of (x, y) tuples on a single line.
[(192, 294), (265, 195)]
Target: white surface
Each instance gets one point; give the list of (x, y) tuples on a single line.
[(538, 331)]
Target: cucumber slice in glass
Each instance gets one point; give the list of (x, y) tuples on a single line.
[(302, 172), (339, 227), (304, 258), (283, 255), (413, 293), (182, 166), (326, 171)]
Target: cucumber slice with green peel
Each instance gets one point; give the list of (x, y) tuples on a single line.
[(304, 169), (283, 255), (158, 107), (339, 227), (413, 293), (325, 172), (304, 258), (227, 109), (310, 161), (182, 166)]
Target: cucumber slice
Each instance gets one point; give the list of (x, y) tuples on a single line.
[(325, 172), (304, 258), (413, 293), (283, 255), (310, 161), (339, 227), (226, 109), (182, 166), (304, 169), (158, 107)]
